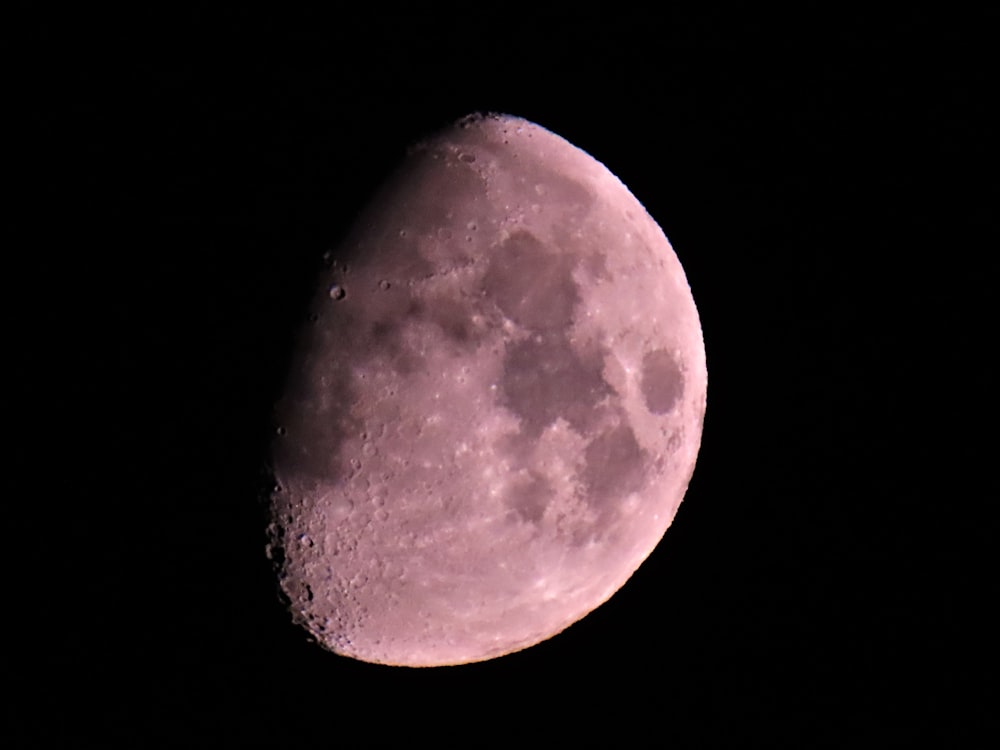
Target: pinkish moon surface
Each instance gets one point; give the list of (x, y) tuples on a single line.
[(496, 410)]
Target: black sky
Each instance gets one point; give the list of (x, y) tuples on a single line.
[(182, 177)]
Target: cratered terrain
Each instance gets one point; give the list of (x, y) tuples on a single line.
[(495, 410)]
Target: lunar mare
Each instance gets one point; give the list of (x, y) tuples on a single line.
[(495, 412)]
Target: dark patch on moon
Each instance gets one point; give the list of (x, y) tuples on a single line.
[(615, 465), (415, 307), (452, 316), (662, 381), (544, 379), (384, 333), (386, 337), (532, 286), (529, 499), (596, 264), (314, 428)]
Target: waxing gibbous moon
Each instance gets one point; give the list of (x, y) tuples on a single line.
[(495, 411)]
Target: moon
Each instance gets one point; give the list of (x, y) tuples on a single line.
[(495, 410)]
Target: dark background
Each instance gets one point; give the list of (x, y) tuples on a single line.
[(826, 582)]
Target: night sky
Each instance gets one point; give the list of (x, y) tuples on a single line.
[(825, 582)]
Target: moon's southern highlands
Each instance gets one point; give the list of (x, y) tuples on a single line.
[(495, 409)]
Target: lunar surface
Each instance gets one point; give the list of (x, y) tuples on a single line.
[(496, 407)]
